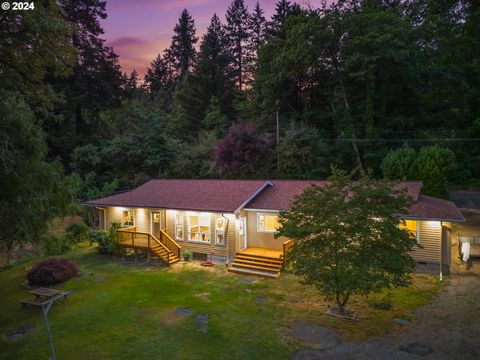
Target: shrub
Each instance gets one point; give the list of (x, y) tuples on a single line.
[(56, 245), (106, 241), (187, 254), (53, 271), (382, 300), (77, 232)]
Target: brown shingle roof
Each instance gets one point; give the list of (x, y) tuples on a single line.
[(428, 207), (230, 195), (279, 196), (186, 194)]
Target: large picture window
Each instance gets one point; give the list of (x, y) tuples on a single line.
[(412, 227), (179, 226), (199, 228), (267, 223), (220, 225), (128, 218)]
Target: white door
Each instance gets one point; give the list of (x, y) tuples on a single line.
[(242, 232)]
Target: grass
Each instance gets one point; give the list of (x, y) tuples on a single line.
[(132, 313)]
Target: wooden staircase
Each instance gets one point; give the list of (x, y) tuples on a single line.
[(165, 248), (162, 253), (259, 265)]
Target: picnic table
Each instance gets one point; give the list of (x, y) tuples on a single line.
[(44, 292), (44, 296)]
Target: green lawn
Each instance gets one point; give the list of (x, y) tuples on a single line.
[(132, 313)]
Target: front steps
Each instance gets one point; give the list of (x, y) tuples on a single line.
[(258, 265)]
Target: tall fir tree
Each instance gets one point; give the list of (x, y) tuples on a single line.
[(283, 9), (237, 32), (160, 75), (257, 28), (182, 49), (95, 84), (212, 75)]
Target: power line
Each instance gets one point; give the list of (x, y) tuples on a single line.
[(407, 140)]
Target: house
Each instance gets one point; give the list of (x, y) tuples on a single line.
[(468, 202), (235, 220)]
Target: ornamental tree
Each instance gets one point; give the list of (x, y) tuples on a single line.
[(347, 238)]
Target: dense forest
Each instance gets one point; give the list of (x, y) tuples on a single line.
[(389, 87)]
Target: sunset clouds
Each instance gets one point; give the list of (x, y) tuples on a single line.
[(139, 30)]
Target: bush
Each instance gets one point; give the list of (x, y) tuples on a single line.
[(106, 241), (77, 232), (52, 272), (56, 245), (382, 301)]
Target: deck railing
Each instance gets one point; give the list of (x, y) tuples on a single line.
[(169, 243), (129, 237), (287, 247)]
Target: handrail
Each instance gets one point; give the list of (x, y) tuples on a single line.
[(129, 229), (172, 244), (287, 246), (135, 243)]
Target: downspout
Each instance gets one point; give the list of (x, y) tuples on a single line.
[(225, 237), (441, 250)]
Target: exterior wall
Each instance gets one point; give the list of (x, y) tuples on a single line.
[(220, 251), (468, 228), (261, 239), (430, 240), (142, 217)]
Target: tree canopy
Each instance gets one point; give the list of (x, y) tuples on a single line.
[(347, 238)]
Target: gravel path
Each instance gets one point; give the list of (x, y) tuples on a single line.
[(450, 326)]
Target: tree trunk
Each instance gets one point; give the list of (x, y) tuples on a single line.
[(358, 157)]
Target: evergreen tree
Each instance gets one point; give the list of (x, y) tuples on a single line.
[(214, 120), (182, 49), (160, 75), (283, 9), (257, 28), (212, 74), (237, 33), (95, 84)]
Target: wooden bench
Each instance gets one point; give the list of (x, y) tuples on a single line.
[(26, 302)]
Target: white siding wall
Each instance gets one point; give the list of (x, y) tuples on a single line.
[(430, 239)]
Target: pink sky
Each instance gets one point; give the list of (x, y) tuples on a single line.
[(139, 30)]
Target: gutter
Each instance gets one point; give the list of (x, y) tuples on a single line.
[(433, 219)]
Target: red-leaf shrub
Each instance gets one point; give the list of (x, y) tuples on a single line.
[(51, 272)]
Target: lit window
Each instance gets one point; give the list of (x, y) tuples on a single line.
[(267, 223), (179, 226), (199, 228), (411, 226), (128, 218), (220, 225)]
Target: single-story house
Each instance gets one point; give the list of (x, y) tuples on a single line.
[(234, 221)]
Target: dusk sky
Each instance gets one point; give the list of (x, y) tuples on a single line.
[(139, 30)]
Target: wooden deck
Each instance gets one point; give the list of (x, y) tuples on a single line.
[(263, 252)]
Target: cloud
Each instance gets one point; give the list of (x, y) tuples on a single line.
[(137, 53)]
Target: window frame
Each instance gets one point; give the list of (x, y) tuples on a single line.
[(181, 225), (132, 217), (200, 232), (258, 222), (223, 230), (417, 228)]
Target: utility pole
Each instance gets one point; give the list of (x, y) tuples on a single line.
[(278, 139)]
